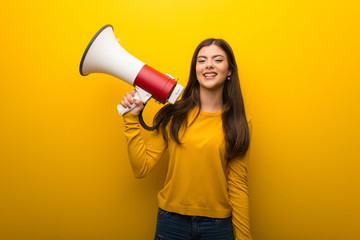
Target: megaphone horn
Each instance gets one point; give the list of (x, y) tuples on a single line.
[(104, 54)]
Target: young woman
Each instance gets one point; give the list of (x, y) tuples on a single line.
[(207, 135)]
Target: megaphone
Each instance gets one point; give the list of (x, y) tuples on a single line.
[(104, 54)]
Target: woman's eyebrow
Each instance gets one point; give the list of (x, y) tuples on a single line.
[(218, 55)]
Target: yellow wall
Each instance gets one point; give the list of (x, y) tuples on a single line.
[(64, 172)]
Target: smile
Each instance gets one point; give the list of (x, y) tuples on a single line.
[(210, 74)]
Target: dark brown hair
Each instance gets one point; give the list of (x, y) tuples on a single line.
[(234, 121)]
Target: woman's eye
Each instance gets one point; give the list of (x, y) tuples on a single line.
[(201, 61), (218, 60)]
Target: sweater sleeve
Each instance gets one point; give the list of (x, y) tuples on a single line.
[(143, 155), (238, 194)]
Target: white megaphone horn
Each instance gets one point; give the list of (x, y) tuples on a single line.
[(104, 54)]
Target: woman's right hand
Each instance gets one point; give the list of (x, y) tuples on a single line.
[(128, 100)]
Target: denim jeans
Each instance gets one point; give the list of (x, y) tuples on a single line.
[(173, 226)]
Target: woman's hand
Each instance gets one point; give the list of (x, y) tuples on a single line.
[(128, 100)]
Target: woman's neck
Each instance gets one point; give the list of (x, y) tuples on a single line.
[(211, 100)]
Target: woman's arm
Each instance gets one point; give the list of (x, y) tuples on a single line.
[(143, 156), (238, 194)]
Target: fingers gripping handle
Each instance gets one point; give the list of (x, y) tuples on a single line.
[(140, 94), (122, 110)]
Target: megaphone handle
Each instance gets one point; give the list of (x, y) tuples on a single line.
[(122, 110), (140, 94)]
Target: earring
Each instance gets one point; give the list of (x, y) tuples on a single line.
[(228, 78)]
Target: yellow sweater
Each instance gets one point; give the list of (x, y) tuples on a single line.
[(200, 179)]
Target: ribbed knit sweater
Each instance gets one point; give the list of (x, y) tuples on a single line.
[(201, 180)]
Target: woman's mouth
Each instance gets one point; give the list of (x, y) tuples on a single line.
[(210, 74)]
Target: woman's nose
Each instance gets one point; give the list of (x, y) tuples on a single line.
[(209, 64)]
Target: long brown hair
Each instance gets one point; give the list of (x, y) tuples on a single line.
[(234, 121)]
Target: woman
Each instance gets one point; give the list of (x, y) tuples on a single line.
[(207, 136)]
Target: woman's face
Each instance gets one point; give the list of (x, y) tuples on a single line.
[(212, 67)]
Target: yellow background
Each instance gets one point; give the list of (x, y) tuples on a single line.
[(64, 171)]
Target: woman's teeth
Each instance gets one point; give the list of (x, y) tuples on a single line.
[(210, 75)]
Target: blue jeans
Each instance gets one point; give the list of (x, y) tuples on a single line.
[(173, 226)]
